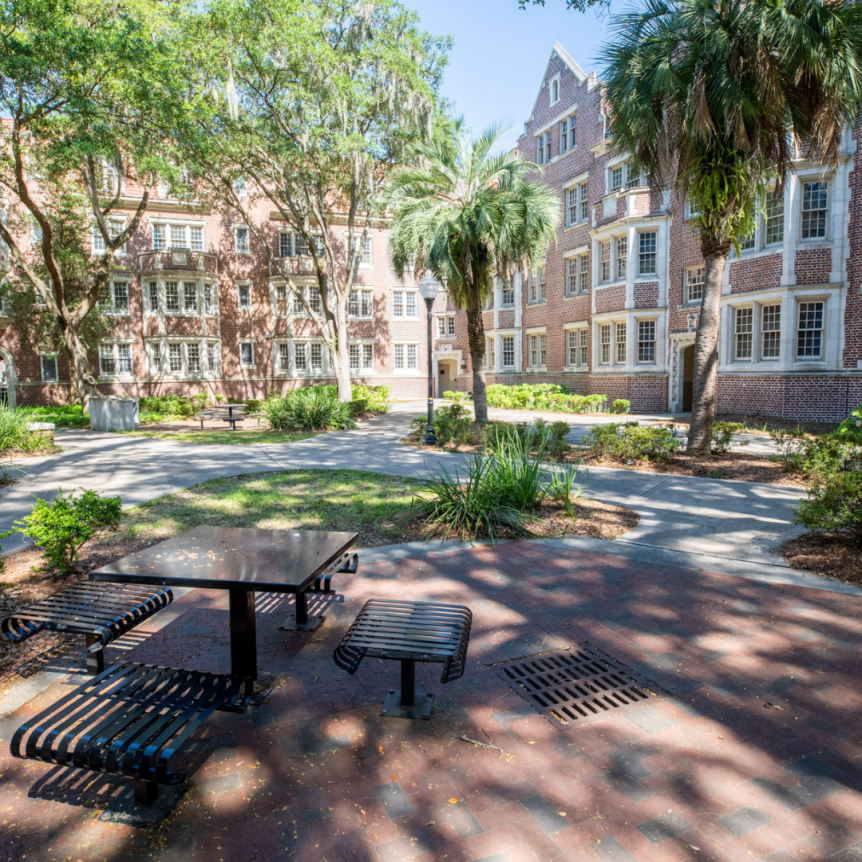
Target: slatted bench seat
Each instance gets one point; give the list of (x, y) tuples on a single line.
[(100, 612), (408, 632), (133, 721)]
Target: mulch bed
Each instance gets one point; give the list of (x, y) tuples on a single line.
[(830, 555), (733, 465)]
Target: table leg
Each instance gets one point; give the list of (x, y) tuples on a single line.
[(301, 621), (243, 634), (302, 608)]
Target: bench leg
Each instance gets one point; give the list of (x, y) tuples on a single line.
[(412, 701), (95, 660), (408, 682), (145, 791)]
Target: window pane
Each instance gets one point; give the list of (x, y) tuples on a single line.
[(353, 353), (212, 360), (814, 204), (584, 201), (367, 309), (605, 259), (411, 304), (572, 276), (301, 246), (695, 280), (572, 201), (368, 357), (770, 328), (159, 241), (572, 347), (178, 236), (190, 295), (242, 240), (399, 356), (412, 356), (809, 337), (121, 297), (153, 296), (193, 355), (583, 346), (107, 364), (316, 356), (743, 332), (197, 238), (284, 245), (172, 296), (616, 177), (314, 300), (774, 218), (300, 356), (622, 253), (49, 369), (175, 357), (647, 253), (246, 354), (353, 303), (605, 343), (398, 304), (646, 341), (621, 333), (508, 351)]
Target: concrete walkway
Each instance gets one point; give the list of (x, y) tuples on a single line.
[(738, 521)]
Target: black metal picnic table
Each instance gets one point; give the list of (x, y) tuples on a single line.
[(234, 419), (242, 561)]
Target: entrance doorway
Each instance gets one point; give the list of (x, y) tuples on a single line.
[(447, 378), (687, 377)]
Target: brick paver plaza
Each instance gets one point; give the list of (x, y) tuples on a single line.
[(753, 754)]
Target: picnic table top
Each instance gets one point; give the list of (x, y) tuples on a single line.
[(230, 558)]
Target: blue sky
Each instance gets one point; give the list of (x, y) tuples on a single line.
[(500, 52)]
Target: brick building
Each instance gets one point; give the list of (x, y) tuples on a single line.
[(613, 310)]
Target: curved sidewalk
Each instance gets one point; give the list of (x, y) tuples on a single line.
[(734, 521)]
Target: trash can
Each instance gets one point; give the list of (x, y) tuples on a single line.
[(110, 413)]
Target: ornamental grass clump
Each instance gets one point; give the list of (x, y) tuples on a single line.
[(311, 408), (496, 492), (15, 433)]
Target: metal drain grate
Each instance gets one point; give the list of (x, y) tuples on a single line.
[(576, 684)]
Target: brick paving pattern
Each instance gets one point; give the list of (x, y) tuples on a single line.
[(752, 755)]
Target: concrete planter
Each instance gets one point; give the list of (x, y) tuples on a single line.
[(114, 414)]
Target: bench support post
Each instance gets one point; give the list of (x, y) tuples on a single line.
[(95, 660), (146, 792), (412, 701), (408, 682)]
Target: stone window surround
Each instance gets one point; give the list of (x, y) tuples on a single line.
[(553, 123), (631, 318), (528, 334), (577, 326), (497, 335), (160, 343), (180, 277), (419, 370), (789, 298), (167, 222), (580, 251)]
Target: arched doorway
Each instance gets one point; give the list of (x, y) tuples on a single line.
[(447, 376), (687, 377)]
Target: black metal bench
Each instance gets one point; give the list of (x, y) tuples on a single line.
[(408, 632), (131, 721), (100, 612)]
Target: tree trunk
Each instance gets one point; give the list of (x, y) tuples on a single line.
[(476, 341), (342, 370), (706, 351), (80, 367)]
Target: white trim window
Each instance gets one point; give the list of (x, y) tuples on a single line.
[(404, 304), (623, 176), (294, 245), (538, 286), (507, 293), (507, 351), (50, 367), (246, 354), (646, 341), (177, 236), (577, 204), (279, 300), (537, 350), (310, 359), (115, 228), (621, 342), (695, 281), (490, 354), (647, 252), (809, 330), (770, 332), (622, 257), (568, 128), (282, 357), (360, 305), (243, 296), (115, 359), (190, 297), (405, 356), (605, 262), (774, 218), (185, 359), (115, 299), (242, 240), (543, 148), (361, 357), (577, 352), (554, 90), (815, 208), (604, 343), (743, 334), (366, 257), (446, 326), (311, 292)]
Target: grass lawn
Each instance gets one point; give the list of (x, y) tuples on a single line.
[(225, 435), (375, 506)]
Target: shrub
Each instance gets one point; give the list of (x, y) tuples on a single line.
[(722, 436), (452, 425), (800, 453), (253, 405), (496, 491), (377, 398), (310, 408), (63, 416), (461, 397), (621, 405), (61, 526), (15, 435), (631, 441), (171, 405), (834, 503)]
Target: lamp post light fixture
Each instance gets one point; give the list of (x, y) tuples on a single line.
[(428, 290)]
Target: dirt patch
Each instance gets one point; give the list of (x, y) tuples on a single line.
[(739, 466), (830, 555)]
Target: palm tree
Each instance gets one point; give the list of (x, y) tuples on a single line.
[(720, 97), (470, 216)]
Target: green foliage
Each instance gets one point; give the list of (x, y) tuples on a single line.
[(543, 396), (61, 526), (462, 397), (630, 441), (621, 405), (14, 433), (170, 405), (377, 398), (722, 436), (801, 453), (469, 216), (309, 408), (497, 491), (834, 503), (453, 426), (65, 416)]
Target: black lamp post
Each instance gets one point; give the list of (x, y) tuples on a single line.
[(428, 290)]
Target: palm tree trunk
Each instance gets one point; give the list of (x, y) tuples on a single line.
[(706, 351), (476, 342)]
